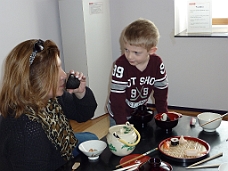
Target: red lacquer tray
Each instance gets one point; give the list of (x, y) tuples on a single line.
[(177, 153), (131, 156)]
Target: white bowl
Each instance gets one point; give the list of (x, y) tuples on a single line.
[(92, 148), (223, 167), (206, 117)]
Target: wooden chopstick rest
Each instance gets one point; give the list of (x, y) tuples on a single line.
[(75, 166)]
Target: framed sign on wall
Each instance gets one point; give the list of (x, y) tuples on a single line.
[(199, 16)]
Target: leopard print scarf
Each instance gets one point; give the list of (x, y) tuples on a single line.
[(56, 126)]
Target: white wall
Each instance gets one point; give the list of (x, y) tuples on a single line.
[(197, 67), (27, 19), (86, 39), (219, 8)]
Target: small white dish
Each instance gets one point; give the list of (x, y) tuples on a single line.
[(209, 116), (223, 167), (92, 148)]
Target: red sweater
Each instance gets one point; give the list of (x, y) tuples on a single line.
[(131, 87)]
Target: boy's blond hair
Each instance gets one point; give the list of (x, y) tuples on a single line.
[(142, 33)]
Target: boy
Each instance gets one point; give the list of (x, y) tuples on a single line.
[(137, 73)]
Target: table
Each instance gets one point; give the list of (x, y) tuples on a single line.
[(151, 136)]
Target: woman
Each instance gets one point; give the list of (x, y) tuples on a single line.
[(34, 132)]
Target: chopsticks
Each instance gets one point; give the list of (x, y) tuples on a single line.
[(214, 119), (135, 158), (202, 161), (128, 167), (205, 166)]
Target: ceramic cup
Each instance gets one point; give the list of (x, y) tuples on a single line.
[(223, 167)]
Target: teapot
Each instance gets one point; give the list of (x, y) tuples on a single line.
[(122, 139)]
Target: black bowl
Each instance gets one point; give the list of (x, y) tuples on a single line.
[(142, 117), (169, 124), (155, 164)]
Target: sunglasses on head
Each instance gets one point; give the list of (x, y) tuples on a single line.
[(38, 47)]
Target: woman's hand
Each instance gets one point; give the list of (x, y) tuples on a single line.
[(80, 91)]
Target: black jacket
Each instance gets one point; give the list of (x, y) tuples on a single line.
[(24, 145)]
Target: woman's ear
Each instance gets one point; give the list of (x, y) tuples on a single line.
[(152, 50)]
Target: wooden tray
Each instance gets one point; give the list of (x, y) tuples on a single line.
[(177, 153)]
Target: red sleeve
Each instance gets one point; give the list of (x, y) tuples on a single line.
[(161, 88), (160, 96), (117, 105)]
